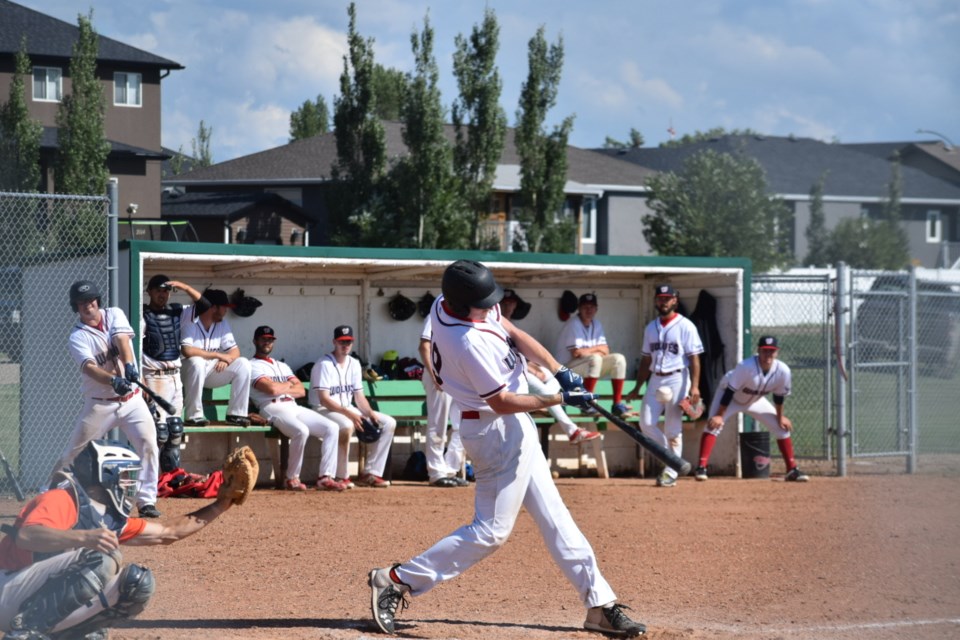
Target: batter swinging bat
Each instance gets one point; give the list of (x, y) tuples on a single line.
[(166, 406), (12, 478), (665, 455)]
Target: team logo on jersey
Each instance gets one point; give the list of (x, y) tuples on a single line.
[(510, 360), (671, 347), (105, 356)]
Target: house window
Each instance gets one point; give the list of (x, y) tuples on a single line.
[(126, 89), (47, 84), (588, 220), (934, 226)]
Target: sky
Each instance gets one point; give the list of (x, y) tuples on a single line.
[(833, 70)]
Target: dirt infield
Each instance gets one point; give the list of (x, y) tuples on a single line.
[(866, 556)]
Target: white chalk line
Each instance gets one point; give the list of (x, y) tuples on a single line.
[(855, 626)]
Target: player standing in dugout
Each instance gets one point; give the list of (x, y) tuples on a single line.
[(479, 358)]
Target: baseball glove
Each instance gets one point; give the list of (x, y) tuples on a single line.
[(693, 411), (240, 471), (257, 419)]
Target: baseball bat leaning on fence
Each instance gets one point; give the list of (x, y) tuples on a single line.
[(166, 406), (12, 478), (666, 456)]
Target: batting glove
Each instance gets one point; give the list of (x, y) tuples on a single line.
[(578, 397), (569, 381), (130, 372), (120, 386)]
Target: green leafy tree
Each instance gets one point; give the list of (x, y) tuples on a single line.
[(816, 232), (83, 148), (19, 134), (425, 194), (311, 119), (178, 162), (543, 156), (202, 156), (390, 88), (635, 141), (479, 122), (867, 243), (717, 206), (81, 166), (357, 202), (705, 136)]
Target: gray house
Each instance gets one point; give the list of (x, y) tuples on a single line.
[(599, 190), (855, 184)]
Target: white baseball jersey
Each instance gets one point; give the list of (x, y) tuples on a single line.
[(96, 344), (670, 346), (475, 360), (219, 337), (271, 369), (575, 335), (750, 383), (340, 382)]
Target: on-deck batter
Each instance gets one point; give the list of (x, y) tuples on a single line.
[(671, 346), (101, 344), (479, 358)]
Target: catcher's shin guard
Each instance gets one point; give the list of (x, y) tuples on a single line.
[(170, 447), (136, 586), (66, 591)]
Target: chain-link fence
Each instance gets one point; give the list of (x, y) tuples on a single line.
[(47, 242), (797, 309)]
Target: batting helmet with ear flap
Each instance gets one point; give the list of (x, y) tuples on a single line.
[(470, 284), (82, 291), (244, 305), (423, 306), (401, 308), (370, 433), (568, 304)]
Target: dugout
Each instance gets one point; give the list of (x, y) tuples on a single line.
[(307, 291)]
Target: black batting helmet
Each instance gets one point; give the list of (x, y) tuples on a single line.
[(82, 291), (371, 431), (470, 284)]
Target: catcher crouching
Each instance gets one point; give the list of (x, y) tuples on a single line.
[(61, 572)]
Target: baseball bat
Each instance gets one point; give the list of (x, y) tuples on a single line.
[(12, 478), (166, 406), (665, 455)]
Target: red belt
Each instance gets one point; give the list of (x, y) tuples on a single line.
[(119, 398), (470, 415), (283, 399), (667, 373)]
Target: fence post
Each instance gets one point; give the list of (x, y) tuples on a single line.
[(841, 308), (113, 243), (912, 374)]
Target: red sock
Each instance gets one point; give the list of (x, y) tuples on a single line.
[(786, 450), (707, 440), (617, 391), (393, 576), (590, 384)]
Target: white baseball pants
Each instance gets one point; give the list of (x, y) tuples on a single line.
[(199, 373), (551, 386), (135, 421), (597, 366), (299, 423), (167, 386), (377, 452), (761, 410), (511, 474), (672, 434), (438, 414)]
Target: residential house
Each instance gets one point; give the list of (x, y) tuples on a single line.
[(599, 190), (131, 80), (855, 184)]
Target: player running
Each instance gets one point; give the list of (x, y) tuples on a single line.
[(479, 358), (743, 390)]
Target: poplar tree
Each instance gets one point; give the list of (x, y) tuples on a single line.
[(19, 135), (311, 119)]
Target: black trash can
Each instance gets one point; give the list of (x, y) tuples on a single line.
[(755, 454)]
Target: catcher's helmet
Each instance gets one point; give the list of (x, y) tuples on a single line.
[(82, 291), (401, 308), (371, 431), (470, 284), (113, 466)]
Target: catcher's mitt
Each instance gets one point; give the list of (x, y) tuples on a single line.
[(240, 471), (693, 411)]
